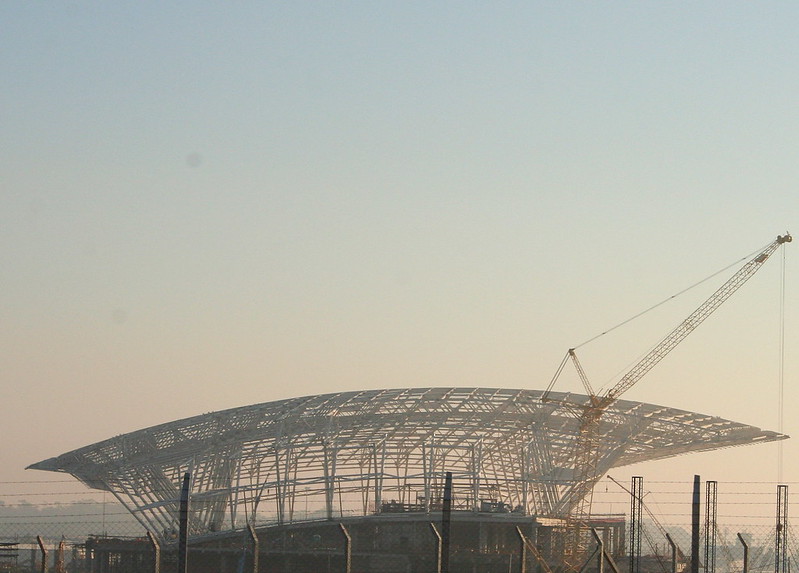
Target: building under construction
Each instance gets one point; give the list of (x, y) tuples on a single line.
[(375, 462), (367, 469)]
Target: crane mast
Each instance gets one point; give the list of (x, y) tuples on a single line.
[(576, 503)]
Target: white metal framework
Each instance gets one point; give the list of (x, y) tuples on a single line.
[(380, 451)]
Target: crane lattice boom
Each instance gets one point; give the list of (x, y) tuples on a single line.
[(696, 318), (577, 504)]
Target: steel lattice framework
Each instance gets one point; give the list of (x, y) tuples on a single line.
[(373, 451)]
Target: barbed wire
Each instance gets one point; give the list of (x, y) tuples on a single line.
[(50, 493), (38, 481)]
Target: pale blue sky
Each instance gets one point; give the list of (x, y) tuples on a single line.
[(207, 205)]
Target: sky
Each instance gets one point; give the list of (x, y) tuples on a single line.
[(208, 205)]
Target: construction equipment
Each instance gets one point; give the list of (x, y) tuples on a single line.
[(575, 506)]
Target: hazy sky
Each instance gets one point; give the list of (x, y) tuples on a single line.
[(206, 205)]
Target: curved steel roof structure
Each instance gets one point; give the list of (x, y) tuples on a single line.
[(377, 451)]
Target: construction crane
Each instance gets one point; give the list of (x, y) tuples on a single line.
[(576, 504)]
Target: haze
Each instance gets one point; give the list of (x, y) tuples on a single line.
[(210, 205)]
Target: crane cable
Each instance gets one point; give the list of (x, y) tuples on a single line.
[(653, 307), (781, 404), (672, 297)]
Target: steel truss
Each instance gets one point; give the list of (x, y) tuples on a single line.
[(379, 451)]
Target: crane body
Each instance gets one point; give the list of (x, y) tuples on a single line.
[(575, 505)]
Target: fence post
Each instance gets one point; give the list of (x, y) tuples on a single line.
[(604, 556), (438, 546), (446, 516), (542, 562), (674, 553), (522, 551), (156, 552), (781, 541), (59, 556), (600, 549), (347, 548), (695, 526), (711, 511), (43, 550), (254, 538), (746, 553)]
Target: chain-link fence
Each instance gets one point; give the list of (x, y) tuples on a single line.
[(740, 524), (748, 526)]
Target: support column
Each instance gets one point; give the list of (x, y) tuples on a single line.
[(380, 466), (526, 477), (477, 463), (330, 478), (427, 471), (283, 466), (233, 500), (183, 538)]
